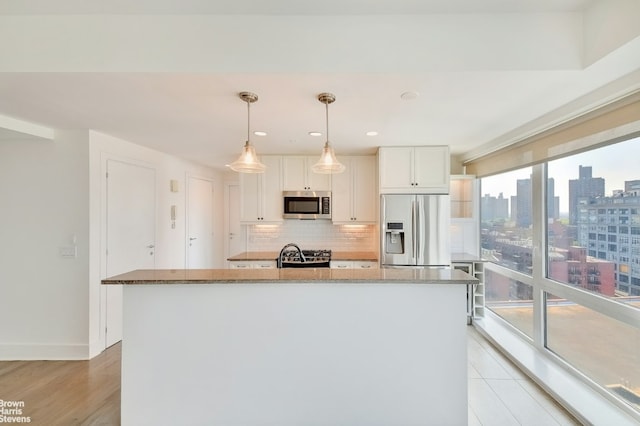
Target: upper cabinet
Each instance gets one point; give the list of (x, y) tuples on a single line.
[(465, 221), (353, 193), (261, 193), (414, 169), (463, 197), (298, 176)]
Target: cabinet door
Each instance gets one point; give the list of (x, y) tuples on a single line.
[(364, 193), (341, 197), (396, 168), (298, 176), (431, 169), (271, 200), (294, 173), (264, 264), (261, 193), (341, 264), (318, 181), (365, 264), (250, 197)]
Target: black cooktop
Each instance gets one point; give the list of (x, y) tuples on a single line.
[(309, 259)]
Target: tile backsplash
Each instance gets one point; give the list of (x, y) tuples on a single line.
[(312, 234)]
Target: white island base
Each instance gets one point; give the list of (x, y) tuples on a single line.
[(294, 354)]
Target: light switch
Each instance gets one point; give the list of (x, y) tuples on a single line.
[(68, 252)]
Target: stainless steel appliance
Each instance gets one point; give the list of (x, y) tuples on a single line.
[(415, 230), (307, 204), (291, 256)]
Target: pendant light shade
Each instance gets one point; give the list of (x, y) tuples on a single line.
[(248, 161), (328, 163)]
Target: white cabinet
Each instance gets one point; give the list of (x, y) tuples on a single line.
[(261, 193), (298, 176), (354, 194), (414, 169), (353, 264), (465, 224), (252, 264)]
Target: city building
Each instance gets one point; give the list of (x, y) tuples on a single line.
[(584, 186), (494, 208), (612, 226), (573, 266)]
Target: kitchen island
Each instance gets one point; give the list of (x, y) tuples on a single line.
[(294, 347)]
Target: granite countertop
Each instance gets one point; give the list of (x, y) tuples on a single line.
[(293, 275), (335, 255)]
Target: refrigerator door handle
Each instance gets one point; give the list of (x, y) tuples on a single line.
[(413, 231), (418, 232)]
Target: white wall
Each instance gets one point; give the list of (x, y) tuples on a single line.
[(51, 194), (170, 247), (44, 202)]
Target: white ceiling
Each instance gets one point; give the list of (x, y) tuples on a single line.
[(487, 72)]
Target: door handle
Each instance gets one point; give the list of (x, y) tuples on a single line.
[(150, 246), (193, 238), (413, 230)]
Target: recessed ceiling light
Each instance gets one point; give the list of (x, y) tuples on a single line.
[(315, 133), (259, 133), (372, 133), (408, 96)]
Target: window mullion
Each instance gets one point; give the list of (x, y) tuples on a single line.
[(538, 235)]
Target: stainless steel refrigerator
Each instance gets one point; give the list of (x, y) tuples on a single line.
[(415, 230)]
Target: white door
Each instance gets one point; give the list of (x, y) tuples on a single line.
[(130, 232), (199, 223), (237, 236)]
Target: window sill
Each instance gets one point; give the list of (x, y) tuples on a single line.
[(579, 398)]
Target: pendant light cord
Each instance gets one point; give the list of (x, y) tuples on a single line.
[(248, 121), (326, 105)]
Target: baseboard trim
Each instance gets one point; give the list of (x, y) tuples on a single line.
[(42, 352)]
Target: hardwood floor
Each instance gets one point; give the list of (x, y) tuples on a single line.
[(86, 393), (66, 393)]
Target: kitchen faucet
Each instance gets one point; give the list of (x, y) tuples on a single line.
[(284, 248)]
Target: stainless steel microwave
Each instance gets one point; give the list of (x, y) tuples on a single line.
[(307, 204)]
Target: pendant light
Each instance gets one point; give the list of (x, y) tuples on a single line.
[(248, 161), (328, 163)]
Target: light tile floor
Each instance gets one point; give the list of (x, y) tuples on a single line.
[(501, 394)]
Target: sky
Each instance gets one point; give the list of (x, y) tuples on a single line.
[(615, 163)]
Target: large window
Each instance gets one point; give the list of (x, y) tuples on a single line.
[(605, 349), (563, 239), (506, 232), (601, 186), (506, 217)]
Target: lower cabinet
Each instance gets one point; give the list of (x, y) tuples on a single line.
[(253, 264), (353, 264)]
